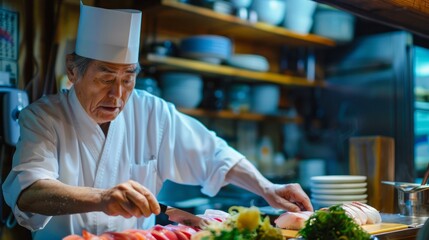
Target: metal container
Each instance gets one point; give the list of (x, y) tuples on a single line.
[(414, 204)]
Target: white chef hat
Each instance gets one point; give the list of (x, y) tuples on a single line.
[(109, 35)]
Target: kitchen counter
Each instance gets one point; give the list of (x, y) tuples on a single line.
[(407, 220), (414, 223), (406, 234), (392, 228)]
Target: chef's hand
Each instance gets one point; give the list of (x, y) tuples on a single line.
[(289, 197), (129, 199)]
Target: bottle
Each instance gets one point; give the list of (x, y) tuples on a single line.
[(266, 156), (279, 164)]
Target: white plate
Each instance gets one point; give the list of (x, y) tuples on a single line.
[(323, 203), (339, 197), (338, 185), (338, 179), (249, 61), (338, 191)]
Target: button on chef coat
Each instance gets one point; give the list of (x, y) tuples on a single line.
[(149, 142)]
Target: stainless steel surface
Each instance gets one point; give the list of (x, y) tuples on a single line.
[(407, 187), (414, 204), (411, 221), (426, 176)]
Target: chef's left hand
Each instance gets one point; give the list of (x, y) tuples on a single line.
[(289, 197)]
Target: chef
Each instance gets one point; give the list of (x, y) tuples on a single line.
[(96, 156)]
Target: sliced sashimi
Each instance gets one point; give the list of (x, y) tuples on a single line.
[(118, 236), (158, 235), (73, 237), (89, 236), (141, 234), (164, 231), (215, 215), (372, 213), (293, 220), (360, 213), (181, 231), (353, 214), (371, 218), (180, 235)]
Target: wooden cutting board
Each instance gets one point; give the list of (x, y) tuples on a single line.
[(372, 229)]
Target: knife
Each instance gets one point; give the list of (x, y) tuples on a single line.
[(183, 217)]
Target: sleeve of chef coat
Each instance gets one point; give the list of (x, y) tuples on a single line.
[(34, 159), (191, 154)]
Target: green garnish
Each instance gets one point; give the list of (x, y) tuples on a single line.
[(332, 224), (244, 224)]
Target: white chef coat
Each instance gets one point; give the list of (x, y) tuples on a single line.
[(149, 141)]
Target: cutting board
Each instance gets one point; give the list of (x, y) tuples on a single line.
[(370, 228)]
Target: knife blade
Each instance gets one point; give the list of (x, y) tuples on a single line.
[(183, 217)]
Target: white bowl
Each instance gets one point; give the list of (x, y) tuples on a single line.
[(179, 79), (265, 99), (300, 7), (299, 15), (334, 24), (183, 97), (298, 23), (241, 3), (270, 11), (223, 7), (249, 61)]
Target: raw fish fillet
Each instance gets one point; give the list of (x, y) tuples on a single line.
[(372, 213), (356, 213), (293, 220), (361, 213)]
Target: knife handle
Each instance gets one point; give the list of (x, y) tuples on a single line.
[(163, 207)]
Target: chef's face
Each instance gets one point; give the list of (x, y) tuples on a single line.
[(104, 88)]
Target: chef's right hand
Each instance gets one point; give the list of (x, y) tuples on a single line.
[(129, 199)]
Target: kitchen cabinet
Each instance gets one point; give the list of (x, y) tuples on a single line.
[(173, 20)]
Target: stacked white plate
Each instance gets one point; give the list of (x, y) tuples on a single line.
[(249, 61), (207, 48), (337, 189)]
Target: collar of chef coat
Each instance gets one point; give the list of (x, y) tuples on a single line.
[(85, 122)]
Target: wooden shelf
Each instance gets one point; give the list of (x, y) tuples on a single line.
[(180, 17), (405, 14), (224, 114), (173, 63)]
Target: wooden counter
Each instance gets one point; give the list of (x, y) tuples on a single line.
[(387, 231), (404, 234)]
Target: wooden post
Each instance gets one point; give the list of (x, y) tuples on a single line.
[(374, 157)]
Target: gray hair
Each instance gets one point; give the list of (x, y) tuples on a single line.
[(82, 63)]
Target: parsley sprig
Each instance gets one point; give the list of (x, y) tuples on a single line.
[(332, 224)]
